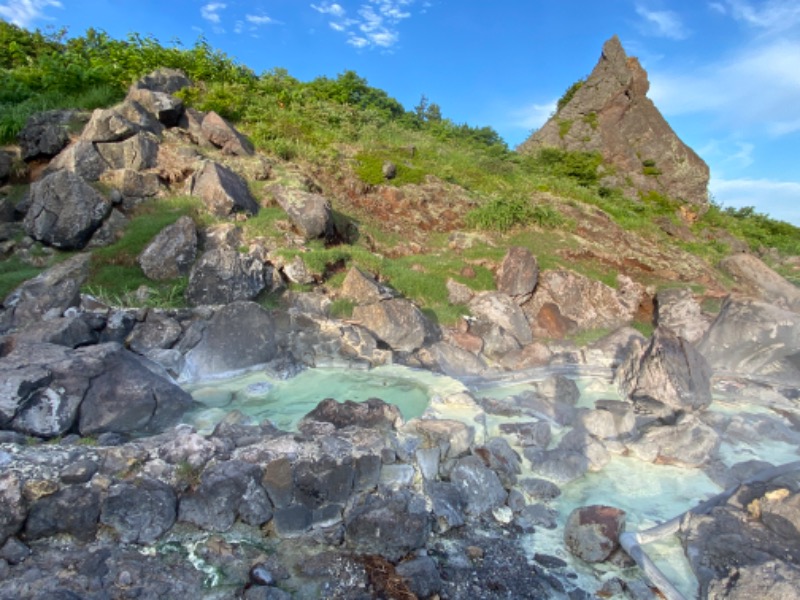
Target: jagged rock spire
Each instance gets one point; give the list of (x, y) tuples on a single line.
[(611, 113)]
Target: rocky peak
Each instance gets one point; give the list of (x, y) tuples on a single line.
[(610, 113)]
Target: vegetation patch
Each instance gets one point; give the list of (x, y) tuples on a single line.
[(569, 94), (369, 168), (591, 119), (564, 127)]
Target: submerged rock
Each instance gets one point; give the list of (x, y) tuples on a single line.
[(374, 413)]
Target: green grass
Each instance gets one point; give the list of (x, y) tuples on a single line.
[(369, 168), (13, 272)]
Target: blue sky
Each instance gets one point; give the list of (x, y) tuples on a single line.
[(725, 73)]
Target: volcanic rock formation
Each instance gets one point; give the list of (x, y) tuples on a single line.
[(610, 113)]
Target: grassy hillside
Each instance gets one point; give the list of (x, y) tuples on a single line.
[(342, 131)]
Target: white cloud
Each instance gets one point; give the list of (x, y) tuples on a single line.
[(772, 16), (210, 12), (662, 23), (728, 153), (260, 20), (24, 12), (779, 199), (535, 115), (756, 88), (376, 24), (330, 8), (717, 7)]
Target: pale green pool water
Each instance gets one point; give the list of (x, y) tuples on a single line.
[(285, 402)]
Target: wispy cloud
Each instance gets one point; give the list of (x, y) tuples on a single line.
[(772, 16), (662, 23), (758, 87), (252, 23), (780, 199), (374, 24), (533, 116), (24, 12), (210, 12)]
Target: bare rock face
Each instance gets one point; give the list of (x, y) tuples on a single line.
[(311, 214), (666, 377), (223, 275), (223, 135), (163, 80), (45, 134), (567, 302), (758, 279), (754, 338), (398, 323), (172, 252), (677, 310), (612, 114), (518, 273), (65, 211), (223, 191), (363, 288), (500, 309)]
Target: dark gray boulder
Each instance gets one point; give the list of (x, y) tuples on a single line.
[(398, 323), (240, 335), (518, 273), (560, 464), (310, 213), (223, 191), (500, 457), (225, 136), (390, 525), (592, 532), (64, 331), (324, 480), (109, 125), (448, 504), (137, 153), (164, 80), (65, 211), (688, 443), (74, 510), (127, 396), (140, 511), (227, 490), (157, 331), (421, 576), (166, 108), (48, 294), (223, 275), (479, 485), (666, 377), (45, 134), (172, 252), (81, 158)]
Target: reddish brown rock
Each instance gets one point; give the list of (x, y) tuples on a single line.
[(592, 532), (611, 114)]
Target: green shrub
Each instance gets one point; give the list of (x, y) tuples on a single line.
[(591, 119), (501, 214), (342, 308), (569, 94), (564, 126)]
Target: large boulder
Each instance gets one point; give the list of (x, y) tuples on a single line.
[(108, 125), (81, 158), (137, 152), (678, 311), (240, 335), (222, 275), (311, 214), (391, 526), (223, 135), (48, 294), (566, 302), (758, 279), (13, 509), (518, 273), (753, 338), (132, 184), (688, 443), (165, 80), (500, 309), (374, 413), (73, 510), (398, 323), (65, 211), (140, 511), (127, 396), (363, 288), (610, 113), (223, 191), (666, 377), (592, 532), (45, 134), (227, 490), (166, 108), (172, 252)]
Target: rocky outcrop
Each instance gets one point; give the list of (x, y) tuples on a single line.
[(762, 282), (754, 338), (518, 273), (310, 213), (666, 377), (223, 191), (611, 114), (172, 252), (45, 134), (224, 136), (65, 211), (678, 311)]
